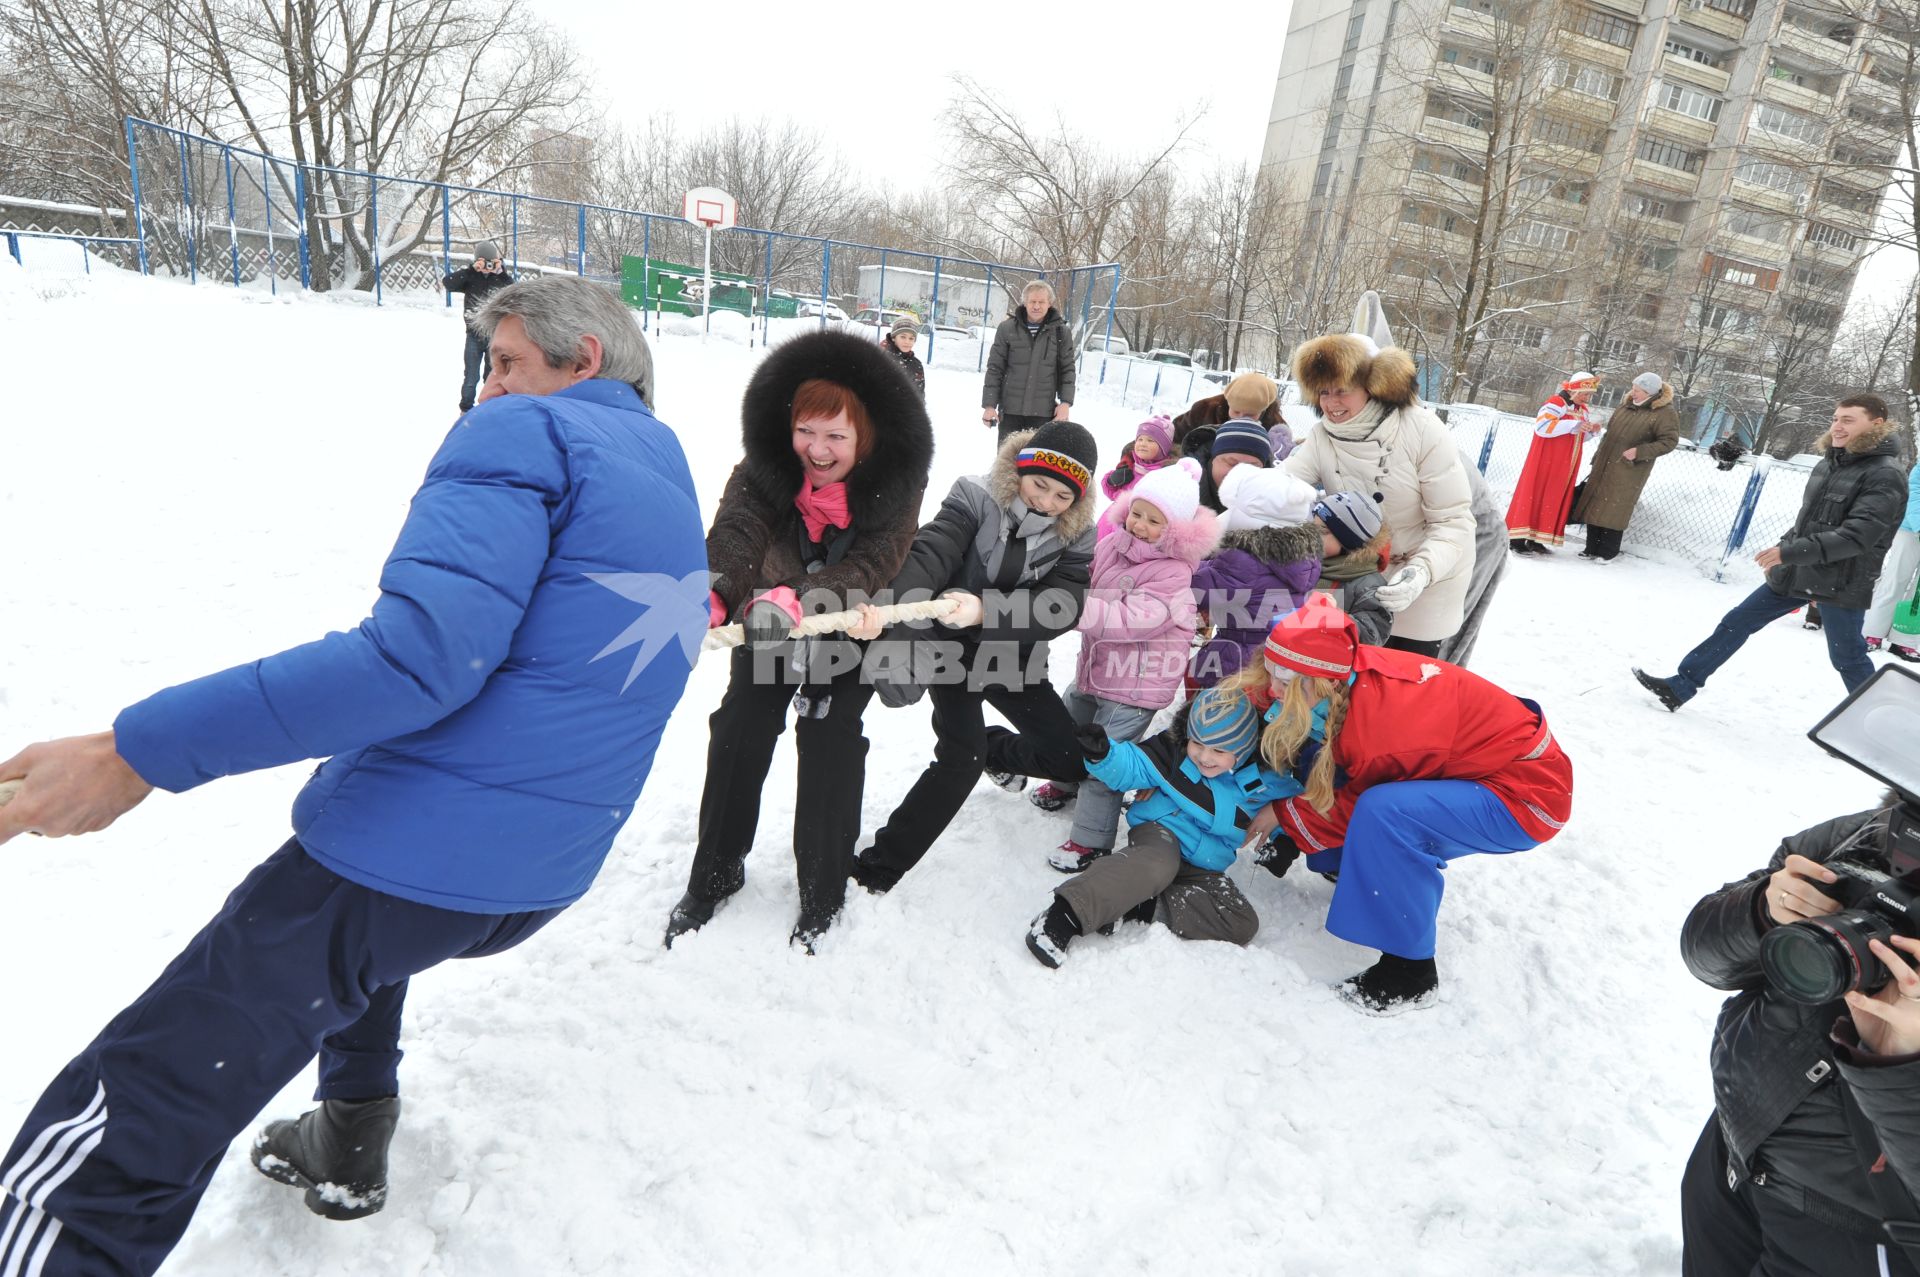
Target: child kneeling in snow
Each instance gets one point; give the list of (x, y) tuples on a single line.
[(1206, 783), (1135, 631)]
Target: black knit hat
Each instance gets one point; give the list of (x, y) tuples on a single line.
[(1061, 450)]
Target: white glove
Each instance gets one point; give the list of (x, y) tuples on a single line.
[(968, 614), (1404, 587)]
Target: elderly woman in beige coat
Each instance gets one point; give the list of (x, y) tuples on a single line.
[(1375, 437), (1641, 429)]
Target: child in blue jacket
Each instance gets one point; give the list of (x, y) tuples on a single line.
[(1206, 783)]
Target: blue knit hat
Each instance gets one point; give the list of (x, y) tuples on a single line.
[(1353, 519), (1224, 720), (1244, 436)]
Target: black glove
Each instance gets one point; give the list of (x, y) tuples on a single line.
[(1121, 475), (1093, 742), (1277, 855), (766, 624)]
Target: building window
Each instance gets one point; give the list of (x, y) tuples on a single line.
[(1648, 307), (1852, 201), (1446, 109), (1688, 100), (1531, 336), (1832, 237), (1547, 186), (1321, 176), (1825, 281), (1579, 137), (1660, 257), (1354, 24), (1769, 118), (1606, 27), (1775, 177), (1693, 53), (1620, 350), (1342, 79), (1805, 79), (1736, 8), (1544, 235), (1725, 319), (1474, 6), (1445, 166), (1590, 80), (1745, 274), (1670, 154), (1638, 205), (1468, 59), (1747, 221)]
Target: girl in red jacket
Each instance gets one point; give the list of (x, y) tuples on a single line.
[(1407, 762)]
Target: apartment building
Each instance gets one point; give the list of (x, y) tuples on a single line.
[(1676, 178)]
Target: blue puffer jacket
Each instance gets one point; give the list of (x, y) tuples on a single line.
[(1910, 522), (482, 756), (1207, 815)]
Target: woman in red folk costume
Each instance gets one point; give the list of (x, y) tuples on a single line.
[(1407, 763), (1544, 497)]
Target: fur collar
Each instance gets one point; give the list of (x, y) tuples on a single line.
[(1003, 485), (1187, 542), (1276, 545), (1661, 400), (1860, 445), (895, 472)]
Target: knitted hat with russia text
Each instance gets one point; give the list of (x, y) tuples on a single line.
[(1061, 450), (1172, 490), (1353, 518), (1317, 640), (1248, 438), (1223, 720)]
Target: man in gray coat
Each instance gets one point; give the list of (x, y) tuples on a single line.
[(1030, 372)]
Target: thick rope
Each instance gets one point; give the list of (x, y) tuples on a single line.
[(833, 622)]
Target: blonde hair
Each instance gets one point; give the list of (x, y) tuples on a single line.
[(1289, 730)]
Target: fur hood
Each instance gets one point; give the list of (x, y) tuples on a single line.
[(1003, 485), (1341, 359), (1187, 542), (1860, 445), (892, 475), (1276, 545), (1662, 400)]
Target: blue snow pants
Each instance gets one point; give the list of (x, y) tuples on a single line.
[(1398, 843), (113, 1159)]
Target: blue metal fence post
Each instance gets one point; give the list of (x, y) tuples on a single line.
[(233, 229), (1486, 445), (1113, 299), (933, 320), (446, 239), (826, 271), (139, 217), (986, 309), (273, 256), (580, 239), (646, 267), (373, 209), (1743, 518), (13, 247), (766, 311), (186, 200), (880, 293), (513, 209), (306, 248)]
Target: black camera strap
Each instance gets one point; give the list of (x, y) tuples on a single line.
[(1896, 1207)]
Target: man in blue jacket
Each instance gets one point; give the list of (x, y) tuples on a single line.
[(481, 756)]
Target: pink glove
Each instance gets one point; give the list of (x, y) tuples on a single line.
[(716, 610), (782, 597)]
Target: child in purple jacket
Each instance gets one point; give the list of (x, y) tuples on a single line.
[(1136, 632)]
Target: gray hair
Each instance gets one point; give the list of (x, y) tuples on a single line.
[(558, 311), (1037, 286)]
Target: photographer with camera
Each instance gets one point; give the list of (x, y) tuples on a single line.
[(487, 276), (1810, 1161)]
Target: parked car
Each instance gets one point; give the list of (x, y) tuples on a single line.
[(1216, 377), (882, 321), (953, 330), (815, 309), (1178, 358), (1114, 345)]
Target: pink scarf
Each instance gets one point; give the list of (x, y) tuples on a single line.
[(822, 507)]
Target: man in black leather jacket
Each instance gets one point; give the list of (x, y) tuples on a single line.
[(1777, 1183)]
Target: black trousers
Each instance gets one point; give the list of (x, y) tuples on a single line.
[(1013, 421), (1422, 647), (477, 366), (1603, 543), (826, 803), (1044, 747), (1761, 1231)]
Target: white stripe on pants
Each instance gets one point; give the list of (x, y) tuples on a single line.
[(27, 1232), (1895, 585)]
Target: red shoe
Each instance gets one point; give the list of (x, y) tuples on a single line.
[(1908, 654), (1051, 797), (1070, 857)]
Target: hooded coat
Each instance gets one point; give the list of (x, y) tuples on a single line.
[(758, 539), (1138, 622), (1613, 485), (1256, 577), (1853, 505), (1027, 375), (1207, 816)]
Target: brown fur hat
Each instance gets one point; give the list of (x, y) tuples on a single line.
[(1342, 359)]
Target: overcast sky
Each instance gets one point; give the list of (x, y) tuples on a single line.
[(876, 77)]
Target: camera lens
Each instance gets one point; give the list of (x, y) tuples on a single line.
[(1821, 959)]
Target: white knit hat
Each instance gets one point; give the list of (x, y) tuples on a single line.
[(1172, 490)]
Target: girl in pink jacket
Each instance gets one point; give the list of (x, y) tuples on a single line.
[(1150, 451), (1136, 629)]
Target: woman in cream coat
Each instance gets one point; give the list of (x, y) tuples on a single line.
[(1375, 437)]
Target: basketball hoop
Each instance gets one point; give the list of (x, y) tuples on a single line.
[(712, 209)]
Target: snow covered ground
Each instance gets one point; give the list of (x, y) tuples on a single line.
[(192, 477)]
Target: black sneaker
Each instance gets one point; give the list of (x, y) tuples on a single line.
[(1393, 985), (1051, 933), (337, 1152), (1661, 689), (1811, 621), (691, 914), (1008, 781)]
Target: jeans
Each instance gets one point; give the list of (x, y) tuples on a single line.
[(1845, 647), (479, 366)]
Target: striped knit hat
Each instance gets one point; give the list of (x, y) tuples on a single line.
[(1244, 436), (1317, 640), (1061, 450), (1224, 720)]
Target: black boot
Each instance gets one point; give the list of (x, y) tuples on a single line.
[(1661, 689), (1052, 932), (812, 925), (1393, 985), (691, 914), (1277, 855), (337, 1152)]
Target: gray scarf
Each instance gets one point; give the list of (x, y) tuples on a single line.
[(991, 543), (1359, 426)]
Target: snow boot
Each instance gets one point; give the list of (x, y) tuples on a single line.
[(1051, 797), (337, 1152), (1052, 932), (691, 914), (1008, 781), (1392, 985), (1907, 654), (1662, 690), (1811, 621), (812, 925), (1070, 857)]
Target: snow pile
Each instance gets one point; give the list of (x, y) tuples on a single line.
[(922, 1096)]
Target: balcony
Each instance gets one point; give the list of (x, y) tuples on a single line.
[(1598, 52), (1680, 128), (1580, 106), (1797, 98), (1686, 70), (1471, 22), (1652, 228), (1855, 177), (1766, 197), (1565, 158), (1448, 133), (1751, 248), (1659, 175), (1809, 44), (1459, 81), (1829, 255), (1448, 191), (1694, 13), (1846, 218), (1874, 95)]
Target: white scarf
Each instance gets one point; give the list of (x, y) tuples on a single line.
[(1360, 425)]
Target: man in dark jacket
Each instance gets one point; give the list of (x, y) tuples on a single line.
[(1831, 556), (482, 759), (1030, 371), (1778, 1183), (487, 276)]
